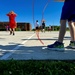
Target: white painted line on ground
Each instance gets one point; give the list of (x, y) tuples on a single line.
[(14, 49)]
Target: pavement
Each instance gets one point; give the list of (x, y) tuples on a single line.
[(24, 45)]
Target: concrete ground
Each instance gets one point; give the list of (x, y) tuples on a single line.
[(24, 45)]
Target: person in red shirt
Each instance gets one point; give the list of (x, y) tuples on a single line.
[(12, 22)]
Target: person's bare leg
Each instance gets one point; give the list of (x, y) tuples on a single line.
[(72, 30), (62, 30), (13, 31), (10, 31)]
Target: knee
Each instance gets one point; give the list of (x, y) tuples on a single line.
[(63, 22), (70, 23)]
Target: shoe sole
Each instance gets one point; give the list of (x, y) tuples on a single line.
[(56, 49), (71, 47)]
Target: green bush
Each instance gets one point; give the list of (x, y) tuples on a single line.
[(2, 29), (18, 29), (36, 67)]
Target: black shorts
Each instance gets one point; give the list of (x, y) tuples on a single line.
[(37, 27)]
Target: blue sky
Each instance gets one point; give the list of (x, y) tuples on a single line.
[(24, 11)]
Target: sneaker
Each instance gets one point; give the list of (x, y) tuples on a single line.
[(10, 32), (58, 46), (13, 33), (72, 44)]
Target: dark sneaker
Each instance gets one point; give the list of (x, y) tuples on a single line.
[(72, 44), (56, 46), (10, 32), (13, 33)]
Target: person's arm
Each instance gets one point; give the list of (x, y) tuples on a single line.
[(7, 14), (59, 0)]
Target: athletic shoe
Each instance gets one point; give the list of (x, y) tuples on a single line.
[(72, 44), (10, 32), (58, 46), (13, 33)]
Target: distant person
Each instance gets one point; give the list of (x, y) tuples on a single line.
[(68, 14), (12, 22), (7, 27), (43, 26), (37, 25), (49, 28)]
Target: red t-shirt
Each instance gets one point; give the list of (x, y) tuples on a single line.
[(12, 22)]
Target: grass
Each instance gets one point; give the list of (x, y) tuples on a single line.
[(36, 67)]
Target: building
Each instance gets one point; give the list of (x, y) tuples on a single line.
[(20, 26)]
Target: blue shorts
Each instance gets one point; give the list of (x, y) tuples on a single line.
[(68, 11)]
